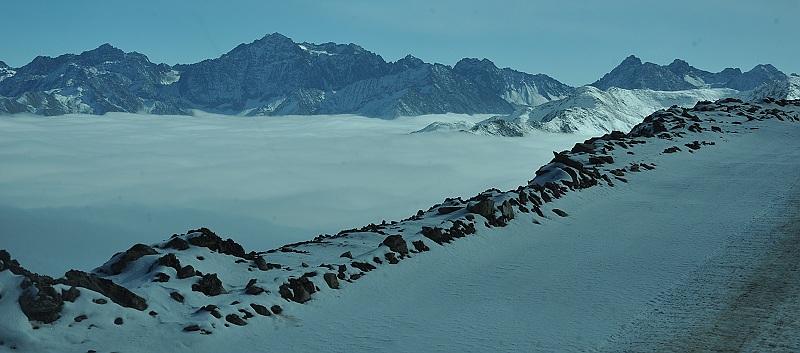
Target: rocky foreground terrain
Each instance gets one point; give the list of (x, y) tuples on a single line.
[(197, 284)]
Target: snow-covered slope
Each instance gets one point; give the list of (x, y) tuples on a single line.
[(587, 111), (593, 253), (785, 89)]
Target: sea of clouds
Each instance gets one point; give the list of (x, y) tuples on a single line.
[(76, 189)]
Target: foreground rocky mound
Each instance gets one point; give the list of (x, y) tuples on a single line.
[(199, 283)]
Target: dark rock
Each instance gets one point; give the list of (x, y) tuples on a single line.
[(44, 306), (484, 208), (80, 318), (506, 210), (177, 243), (560, 212), (363, 266), (392, 258), (246, 314), (153, 313), (100, 301), (695, 145), (597, 160), (209, 285), (672, 149), (161, 277), (118, 294), (252, 289), (261, 263), (378, 260), (420, 245), (331, 280), (186, 272), (130, 255), (276, 309), (583, 148), (260, 309), (118, 321), (209, 239), (176, 296), (168, 260), (346, 254), (211, 309), (70, 294), (396, 243), (448, 209), (235, 319), (192, 328), (437, 235)]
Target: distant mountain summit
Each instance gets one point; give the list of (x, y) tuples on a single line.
[(679, 75)]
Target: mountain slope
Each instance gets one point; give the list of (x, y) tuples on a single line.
[(596, 225)]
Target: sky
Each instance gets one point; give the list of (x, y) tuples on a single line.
[(575, 42)]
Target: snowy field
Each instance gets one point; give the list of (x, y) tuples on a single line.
[(76, 189)]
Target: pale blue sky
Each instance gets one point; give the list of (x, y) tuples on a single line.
[(576, 42)]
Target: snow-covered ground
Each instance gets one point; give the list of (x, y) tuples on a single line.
[(697, 254), (74, 180)]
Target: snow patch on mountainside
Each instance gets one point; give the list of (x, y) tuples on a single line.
[(785, 89), (588, 111)]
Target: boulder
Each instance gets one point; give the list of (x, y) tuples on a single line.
[(396, 243), (118, 294), (235, 319), (448, 209), (260, 309), (130, 255), (177, 244), (484, 208), (186, 272), (560, 212), (208, 239), (209, 285), (332, 280), (44, 305), (276, 309), (506, 210), (176, 296), (420, 246)]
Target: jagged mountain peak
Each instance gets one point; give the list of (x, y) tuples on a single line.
[(631, 60)]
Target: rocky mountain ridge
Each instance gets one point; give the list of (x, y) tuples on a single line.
[(270, 76), (276, 76), (632, 73)]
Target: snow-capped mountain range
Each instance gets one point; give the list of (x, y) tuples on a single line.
[(276, 76), (270, 76), (624, 96), (196, 285)]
